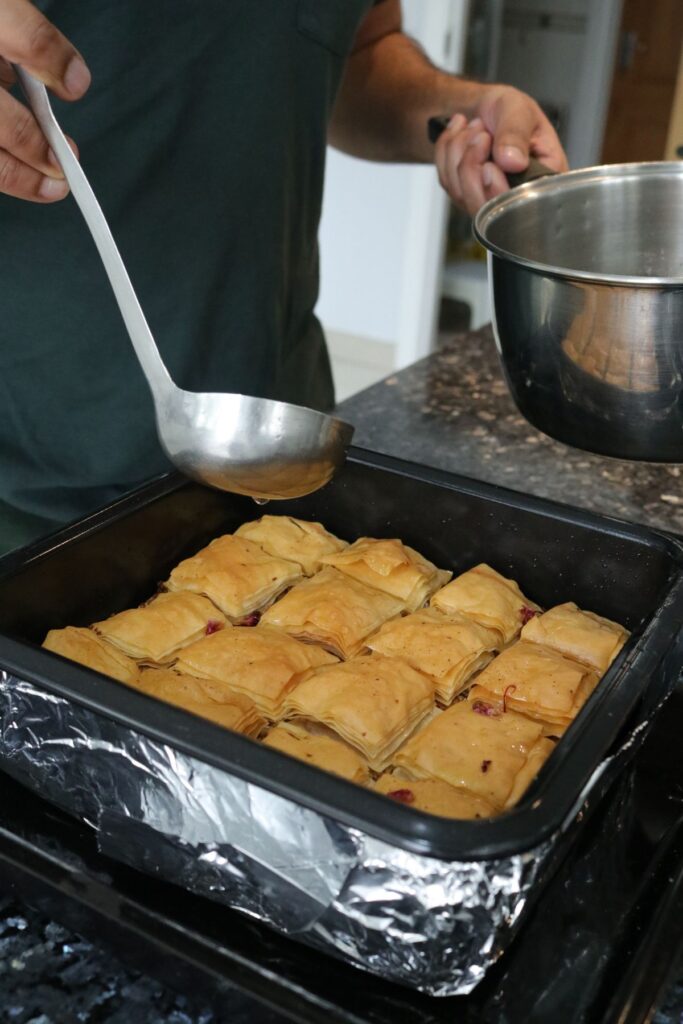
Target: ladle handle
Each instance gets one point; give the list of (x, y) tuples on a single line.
[(535, 169), (138, 329)]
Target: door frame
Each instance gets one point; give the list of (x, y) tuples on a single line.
[(589, 113)]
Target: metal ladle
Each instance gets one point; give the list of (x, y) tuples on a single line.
[(252, 446)]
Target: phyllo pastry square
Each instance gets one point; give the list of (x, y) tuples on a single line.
[(295, 539), (373, 703), (434, 797), (262, 663), (153, 633), (538, 755), (322, 751), (539, 682), (334, 611), (494, 704), (236, 574), (392, 567), (477, 752), (224, 707), (584, 636), (447, 648), (86, 647), (490, 599)]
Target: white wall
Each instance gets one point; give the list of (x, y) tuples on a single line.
[(382, 228), (568, 63)]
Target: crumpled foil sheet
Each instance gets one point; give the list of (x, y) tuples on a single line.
[(430, 924)]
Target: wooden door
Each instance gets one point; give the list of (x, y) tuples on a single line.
[(644, 81)]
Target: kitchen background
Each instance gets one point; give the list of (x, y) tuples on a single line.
[(398, 264)]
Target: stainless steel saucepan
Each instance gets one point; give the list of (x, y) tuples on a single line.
[(586, 280)]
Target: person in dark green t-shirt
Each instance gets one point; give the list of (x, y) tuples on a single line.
[(202, 127)]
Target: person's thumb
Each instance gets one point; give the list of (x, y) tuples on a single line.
[(512, 135)]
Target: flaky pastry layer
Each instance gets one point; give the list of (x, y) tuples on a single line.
[(153, 633), (490, 599), (87, 648), (392, 567), (475, 751), (583, 636), (447, 648), (226, 708), (297, 540), (334, 611), (260, 662), (539, 682), (236, 574), (373, 703), (324, 752)]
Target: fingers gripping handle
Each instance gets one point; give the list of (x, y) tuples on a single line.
[(437, 125)]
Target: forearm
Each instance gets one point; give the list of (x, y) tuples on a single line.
[(389, 91)]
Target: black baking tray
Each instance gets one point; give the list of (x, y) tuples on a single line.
[(116, 558), (601, 946)]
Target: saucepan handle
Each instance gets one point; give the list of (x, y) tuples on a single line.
[(536, 169)]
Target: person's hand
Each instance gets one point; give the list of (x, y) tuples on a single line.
[(28, 170), (472, 157)]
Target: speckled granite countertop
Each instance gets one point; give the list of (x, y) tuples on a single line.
[(452, 411)]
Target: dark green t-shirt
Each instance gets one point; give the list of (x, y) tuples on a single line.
[(203, 136)]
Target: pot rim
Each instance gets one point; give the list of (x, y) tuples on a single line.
[(534, 190)]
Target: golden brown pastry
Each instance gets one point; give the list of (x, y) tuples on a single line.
[(434, 797), (489, 598), (153, 633), (86, 647), (295, 539), (231, 710), (331, 755), (334, 611), (262, 663), (494, 704), (539, 682), (475, 751), (373, 703), (236, 574), (391, 567), (538, 755), (584, 636), (447, 648)]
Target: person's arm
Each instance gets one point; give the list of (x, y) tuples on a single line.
[(390, 90), (27, 169)]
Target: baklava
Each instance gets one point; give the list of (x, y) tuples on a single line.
[(434, 797), (320, 750), (373, 703), (334, 611), (490, 599), (447, 648), (294, 539), (262, 663), (223, 706), (87, 648), (155, 632), (580, 635), (236, 574), (472, 750), (539, 682), (392, 567)]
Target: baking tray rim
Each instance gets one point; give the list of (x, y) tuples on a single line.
[(515, 832)]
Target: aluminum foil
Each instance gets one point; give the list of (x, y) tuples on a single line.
[(431, 924)]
